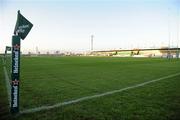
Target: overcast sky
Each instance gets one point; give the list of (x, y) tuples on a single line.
[(68, 24)]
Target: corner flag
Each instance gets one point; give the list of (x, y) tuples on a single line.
[(8, 48), (23, 26)]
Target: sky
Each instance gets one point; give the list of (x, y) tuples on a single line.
[(67, 25)]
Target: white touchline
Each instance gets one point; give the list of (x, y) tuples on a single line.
[(94, 96), (8, 85)]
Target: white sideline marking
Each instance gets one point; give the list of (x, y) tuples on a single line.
[(32, 110), (8, 85)]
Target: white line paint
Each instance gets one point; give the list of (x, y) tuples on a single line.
[(7, 81), (32, 110)]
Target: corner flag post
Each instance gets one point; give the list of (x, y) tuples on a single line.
[(22, 28), (15, 74)]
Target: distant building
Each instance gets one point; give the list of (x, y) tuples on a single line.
[(162, 52)]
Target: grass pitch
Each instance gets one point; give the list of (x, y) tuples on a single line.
[(51, 80)]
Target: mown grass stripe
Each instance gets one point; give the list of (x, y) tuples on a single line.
[(32, 110), (7, 81)]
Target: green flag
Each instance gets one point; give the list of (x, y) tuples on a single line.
[(23, 26), (8, 48)]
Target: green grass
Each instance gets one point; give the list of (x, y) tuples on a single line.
[(158, 101), (50, 80), (4, 104), (7, 63)]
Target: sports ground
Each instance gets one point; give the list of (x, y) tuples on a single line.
[(97, 88)]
